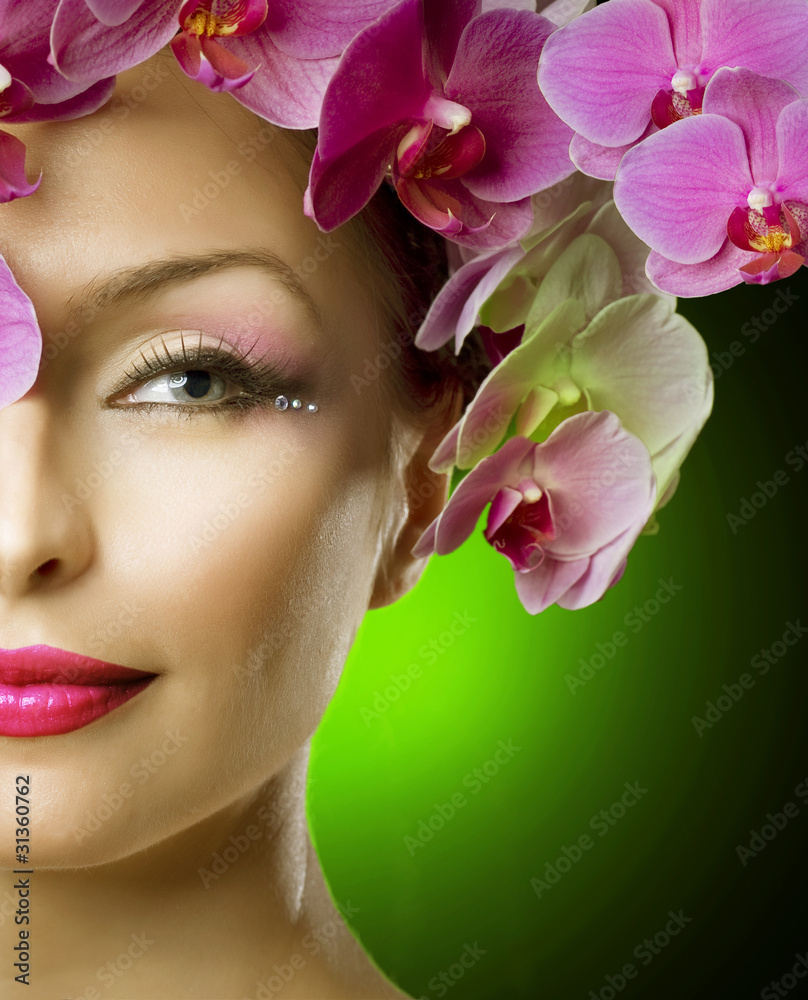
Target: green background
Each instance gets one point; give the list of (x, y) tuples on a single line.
[(375, 777)]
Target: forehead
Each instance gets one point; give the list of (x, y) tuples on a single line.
[(165, 168)]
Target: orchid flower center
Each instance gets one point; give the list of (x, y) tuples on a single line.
[(232, 17), (567, 391), (759, 198), (683, 100), (683, 81), (5, 78), (427, 152), (522, 535), (771, 229)]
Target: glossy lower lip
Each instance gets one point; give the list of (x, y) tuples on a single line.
[(46, 691)]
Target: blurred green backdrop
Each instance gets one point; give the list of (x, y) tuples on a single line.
[(421, 706)]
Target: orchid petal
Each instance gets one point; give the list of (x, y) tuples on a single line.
[(603, 571), (494, 75), (792, 144), (15, 99), (560, 215), (704, 278), (335, 195), (113, 12), (560, 12), (85, 103), (763, 39), (640, 359), (314, 29), (502, 506), (615, 78), (601, 161), (754, 103), (587, 271), (412, 146), (590, 457), (285, 90), (478, 488), (85, 49), (548, 583), (231, 73), (486, 224), (678, 187), (629, 249), (20, 339), (436, 208), (454, 312), (685, 17), (359, 100), (443, 458), (444, 24), (530, 366), (13, 182)]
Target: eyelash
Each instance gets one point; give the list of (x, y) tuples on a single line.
[(260, 381)]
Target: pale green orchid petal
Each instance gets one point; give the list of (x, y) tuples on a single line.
[(588, 271), (534, 365), (631, 252), (647, 364)]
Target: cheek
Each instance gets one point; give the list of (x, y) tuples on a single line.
[(250, 568), (251, 555)]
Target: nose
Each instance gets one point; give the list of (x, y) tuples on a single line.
[(44, 542)]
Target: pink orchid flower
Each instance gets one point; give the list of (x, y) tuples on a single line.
[(628, 68), (31, 90), (276, 57), (723, 197), (588, 347), (13, 182), (565, 512), (496, 289), (444, 101), (20, 339)]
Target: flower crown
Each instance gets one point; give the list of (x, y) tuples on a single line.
[(585, 164)]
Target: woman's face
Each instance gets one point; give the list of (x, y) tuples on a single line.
[(230, 549)]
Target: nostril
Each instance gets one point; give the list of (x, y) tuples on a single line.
[(47, 568)]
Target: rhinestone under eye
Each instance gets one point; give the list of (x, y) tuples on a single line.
[(283, 403)]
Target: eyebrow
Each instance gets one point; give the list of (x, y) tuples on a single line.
[(137, 284)]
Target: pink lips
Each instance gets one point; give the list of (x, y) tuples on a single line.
[(46, 691)]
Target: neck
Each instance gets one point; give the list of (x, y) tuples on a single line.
[(233, 907)]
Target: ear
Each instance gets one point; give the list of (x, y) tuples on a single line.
[(423, 494)]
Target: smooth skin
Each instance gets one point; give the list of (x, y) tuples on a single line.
[(234, 553)]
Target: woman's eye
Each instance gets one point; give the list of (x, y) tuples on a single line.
[(189, 386)]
